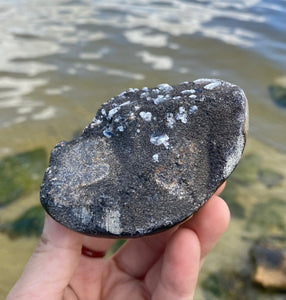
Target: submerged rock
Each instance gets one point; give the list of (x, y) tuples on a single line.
[(149, 159), (269, 177), (278, 95), (267, 217), (21, 174), (28, 224), (270, 263), (246, 173), (228, 285)]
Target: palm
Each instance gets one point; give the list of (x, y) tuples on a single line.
[(91, 286), (103, 279), (151, 267), (134, 270), (162, 266)]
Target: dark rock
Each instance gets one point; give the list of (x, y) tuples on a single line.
[(228, 285), (270, 263), (30, 223), (269, 177), (268, 217), (148, 160), (278, 95), (21, 174)]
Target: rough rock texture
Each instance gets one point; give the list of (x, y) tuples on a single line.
[(148, 160)]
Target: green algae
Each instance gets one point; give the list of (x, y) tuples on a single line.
[(21, 174), (235, 285), (269, 177), (243, 177), (278, 95), (246, 172), (29, 224), (228, 285), (230, 195), (268, 217), (236, 209), (116, 246)]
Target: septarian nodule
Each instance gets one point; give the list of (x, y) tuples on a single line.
[(148, 160)]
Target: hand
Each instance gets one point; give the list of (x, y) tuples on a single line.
[(163, 266)]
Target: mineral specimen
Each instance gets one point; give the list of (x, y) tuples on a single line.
[(149, 159)]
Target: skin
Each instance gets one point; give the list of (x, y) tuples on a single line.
[(162, 266)]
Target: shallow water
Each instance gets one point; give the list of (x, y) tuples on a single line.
[(61, 59)]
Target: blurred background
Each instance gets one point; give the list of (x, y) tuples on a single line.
[(61, 59)]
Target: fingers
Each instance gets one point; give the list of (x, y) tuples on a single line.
[(51, 266), (180, 267), (220, 188), (209, 223), (95, 247), (138, 255)]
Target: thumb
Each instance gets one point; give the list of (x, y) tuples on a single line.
[(51, 266)]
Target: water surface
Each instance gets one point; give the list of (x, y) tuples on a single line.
[(61, 59)]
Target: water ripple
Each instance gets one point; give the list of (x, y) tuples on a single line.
[(55, 55)]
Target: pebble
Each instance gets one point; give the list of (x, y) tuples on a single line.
[(270, 263), (149, 159)]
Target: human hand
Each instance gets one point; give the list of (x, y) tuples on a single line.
[(163, 266)]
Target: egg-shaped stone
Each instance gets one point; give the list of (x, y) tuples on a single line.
[(149, 159)]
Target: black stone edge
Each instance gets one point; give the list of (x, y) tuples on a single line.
[(105, 234)]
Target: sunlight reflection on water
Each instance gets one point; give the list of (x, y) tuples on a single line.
[(59, 48)]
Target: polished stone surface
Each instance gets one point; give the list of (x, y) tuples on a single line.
[(149, 159)]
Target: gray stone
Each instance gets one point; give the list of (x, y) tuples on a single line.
[(278, 95), (149, 159)]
